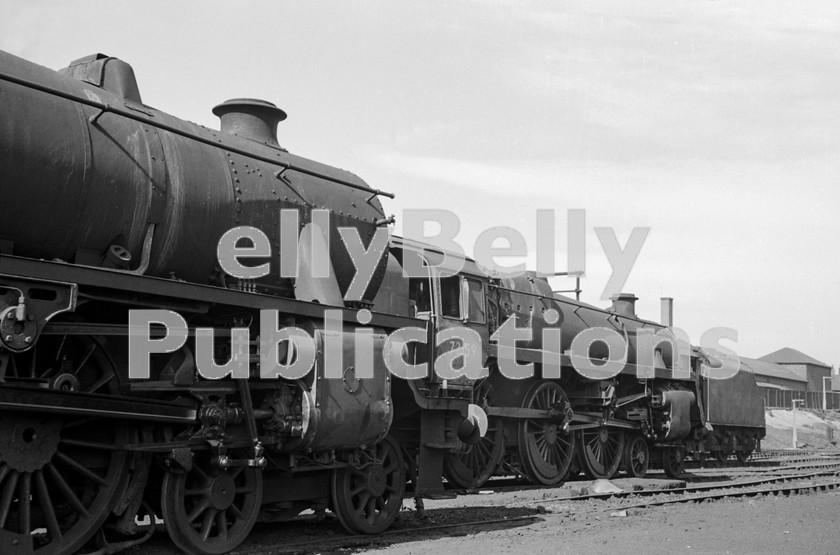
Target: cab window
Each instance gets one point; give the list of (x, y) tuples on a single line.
[(450, 297), (475, 300), (419, 294)]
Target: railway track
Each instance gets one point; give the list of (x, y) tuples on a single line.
[(498, 485), (810, 482), (769, 460), (768, 470), (782, 453), (789, 489), (698, 489)]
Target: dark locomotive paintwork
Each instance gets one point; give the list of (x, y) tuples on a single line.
[(114, 176), (135, 180), (735, 412)]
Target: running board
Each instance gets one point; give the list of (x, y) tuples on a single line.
[(74, 403)]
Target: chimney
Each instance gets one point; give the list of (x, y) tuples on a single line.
[(625, 304), (667, 316), (251, 118)]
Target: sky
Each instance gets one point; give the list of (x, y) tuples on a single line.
[(712, 123)]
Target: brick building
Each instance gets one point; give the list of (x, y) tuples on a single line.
[(803, 366)]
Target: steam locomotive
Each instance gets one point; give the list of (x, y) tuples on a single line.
[(110, 208)]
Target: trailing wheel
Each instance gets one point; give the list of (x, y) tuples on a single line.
[(472, 465), (600, 451), (59, 476), (545, 449), (673, 461), (367, 498), (636, 456), (208, 510)]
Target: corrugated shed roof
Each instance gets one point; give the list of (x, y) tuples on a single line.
[(762, 368), (791, 356)]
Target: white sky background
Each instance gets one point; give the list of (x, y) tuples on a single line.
[(714, 123)]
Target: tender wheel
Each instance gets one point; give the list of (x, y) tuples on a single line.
[(673, 461), (367, 499), (473, 465), (743, 456), (600, 451), (208, 510), (636, 457), (545, 450), (59, 476)]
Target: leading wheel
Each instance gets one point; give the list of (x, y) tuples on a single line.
[(673, 461), (59, 476), (472, 465), (600, 451), (367, 498), (636, 457), (545, 450), (208, 510)]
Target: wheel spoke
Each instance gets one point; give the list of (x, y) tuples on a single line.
[(32, 361), (99, 383), (363, 502), (25, 503), (47, 507), (84, 471), (88, 444), (78, 422), (13, 367), (198, 509), (90, 349), (371, 510), (207, 524), (66, 491), (237, 514), (6, 497), (221, 525), (200, 471), (60, 347)]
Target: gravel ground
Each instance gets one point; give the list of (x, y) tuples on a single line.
[(798, 524)]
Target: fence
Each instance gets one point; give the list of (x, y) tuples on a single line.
[(783, 399)]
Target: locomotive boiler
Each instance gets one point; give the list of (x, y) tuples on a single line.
[(119, 184)]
